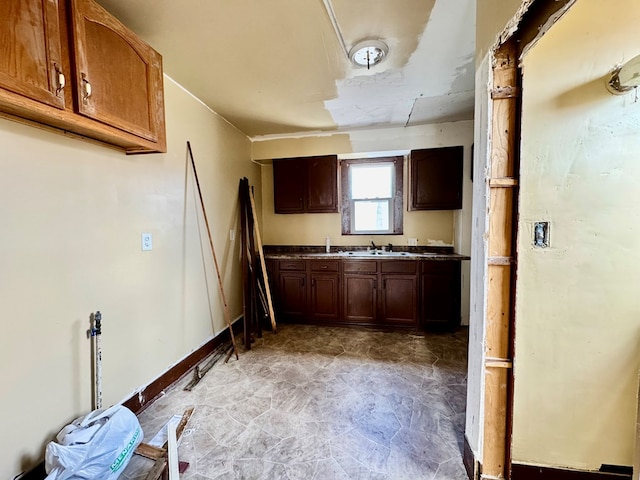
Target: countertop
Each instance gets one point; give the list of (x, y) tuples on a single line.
[(365, 255)]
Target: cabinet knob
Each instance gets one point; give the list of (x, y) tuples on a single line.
[(324, 267), (60, 79), (86, 86)]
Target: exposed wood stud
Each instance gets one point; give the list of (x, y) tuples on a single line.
[(501, 260), (498, 363), (505, 92)]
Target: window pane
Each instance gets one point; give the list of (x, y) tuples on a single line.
[(371, 215), (371, 181)]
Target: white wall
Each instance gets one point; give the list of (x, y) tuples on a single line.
[(578, 308), (72, 215)]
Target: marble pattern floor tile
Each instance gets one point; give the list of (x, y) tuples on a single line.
[(324, 403)]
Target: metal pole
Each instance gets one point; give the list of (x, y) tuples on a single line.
[(96, 333)]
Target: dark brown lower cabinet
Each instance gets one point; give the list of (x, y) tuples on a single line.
[(384, 293), (360, 298), (440, 295)]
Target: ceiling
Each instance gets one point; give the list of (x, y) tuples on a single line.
[(277, 67)]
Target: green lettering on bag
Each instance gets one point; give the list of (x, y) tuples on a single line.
[(120, 460)]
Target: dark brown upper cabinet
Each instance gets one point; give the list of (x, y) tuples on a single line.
[(306, 185), (436, 179), (70, 65)]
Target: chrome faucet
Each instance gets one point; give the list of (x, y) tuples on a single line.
[(374, 246)]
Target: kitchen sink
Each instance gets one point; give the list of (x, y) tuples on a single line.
[(376, 253)]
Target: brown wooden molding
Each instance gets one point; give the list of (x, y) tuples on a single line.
[(469, 459), (534, 472), (139, 401)]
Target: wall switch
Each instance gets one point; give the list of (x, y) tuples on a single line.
[(147, 241), (232, 235), (412, 242)]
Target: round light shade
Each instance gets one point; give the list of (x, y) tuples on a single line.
[(368, 53)]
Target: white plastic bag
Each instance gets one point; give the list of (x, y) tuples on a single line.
[(96, 446)]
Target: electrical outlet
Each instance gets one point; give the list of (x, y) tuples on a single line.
[(232, 235), (147, 241), (412, 242)]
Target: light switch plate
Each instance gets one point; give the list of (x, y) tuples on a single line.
[(147, 241), (412, 242)]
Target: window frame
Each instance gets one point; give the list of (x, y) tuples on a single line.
[(396, 207)]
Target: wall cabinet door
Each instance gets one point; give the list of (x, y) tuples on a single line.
[(305, 185), (324, 299), (399, 303), (31, 62), (440, 299), (322, 184), (289, 179), (360, 298), (118, 76), (436, 179)]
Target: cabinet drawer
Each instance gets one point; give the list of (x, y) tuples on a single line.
[(438, 266), (360, 266), (294, 265), (398, 266), (324, 265)]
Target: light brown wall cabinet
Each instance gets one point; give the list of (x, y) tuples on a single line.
[(384, 293), (306, 185), (70, 65), (436, 179)]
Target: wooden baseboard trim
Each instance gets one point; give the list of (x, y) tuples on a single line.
[(469, 460), (139, 401), (534, 472)]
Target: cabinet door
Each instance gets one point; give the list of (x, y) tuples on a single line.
[(440, 295), (322, 184), (436, 179), (289, 184), (324, 297), (292, 295), (30, 62), (118, 76), (360, 298), (399, 300)]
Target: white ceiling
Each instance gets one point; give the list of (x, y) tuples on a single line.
[(276, 67)]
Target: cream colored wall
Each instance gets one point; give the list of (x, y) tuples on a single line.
[(72, 215), (430, 228), (451, 228), (577, 330)]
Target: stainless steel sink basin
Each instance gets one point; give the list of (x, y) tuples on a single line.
[(375, 253)]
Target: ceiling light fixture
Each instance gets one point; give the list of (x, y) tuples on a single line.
[(625, 78), (368, 53)]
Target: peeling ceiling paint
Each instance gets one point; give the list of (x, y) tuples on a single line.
[(277, 67)]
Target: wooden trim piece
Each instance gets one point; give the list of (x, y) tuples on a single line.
[(501, 226), (498, 363), (498, 311), (469, 460), (505, 92), (494, 460), (501, 261), (139, 401), (503, 182), (149, 451), (536, 472)]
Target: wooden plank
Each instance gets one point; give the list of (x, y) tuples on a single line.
[(501, 222), (501, 260), (498, 311), (505, 92), (503, 182), (505, 75), (495, 422), (227, 315), (272, 315), (149, 451), (490, 362)]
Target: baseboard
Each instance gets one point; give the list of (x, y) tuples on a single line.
[(469, 459), (534, 472), (148, 394), (143, 398)]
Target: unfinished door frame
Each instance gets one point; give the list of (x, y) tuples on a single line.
[(501, 263)]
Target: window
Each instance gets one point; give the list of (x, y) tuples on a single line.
[(372, 196)]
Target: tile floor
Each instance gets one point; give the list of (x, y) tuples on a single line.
[(324, 403)]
